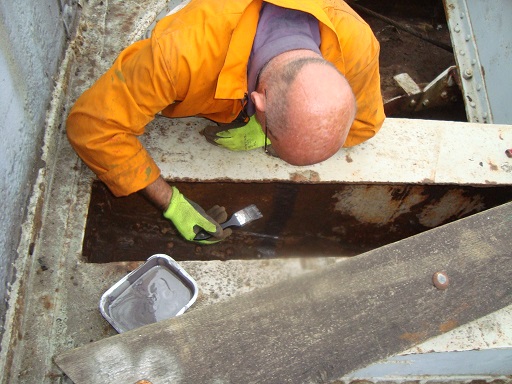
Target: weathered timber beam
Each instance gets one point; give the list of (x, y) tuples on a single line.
[(322, 325)]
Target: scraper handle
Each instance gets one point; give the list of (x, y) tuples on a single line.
[(203, 235)]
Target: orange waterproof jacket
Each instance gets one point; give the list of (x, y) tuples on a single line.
[(195, 64)]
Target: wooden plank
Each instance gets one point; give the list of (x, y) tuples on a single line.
[(320, 326)]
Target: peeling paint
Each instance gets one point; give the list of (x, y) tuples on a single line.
[(448, 326), (302, 176), (452, 203), (373, 205)]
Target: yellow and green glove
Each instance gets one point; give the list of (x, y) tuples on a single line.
[(237, 136), (189, 219)]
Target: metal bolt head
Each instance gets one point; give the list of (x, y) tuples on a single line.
[(468, 74), (440, 280)]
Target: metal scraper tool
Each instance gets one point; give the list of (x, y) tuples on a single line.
[(238, 219)]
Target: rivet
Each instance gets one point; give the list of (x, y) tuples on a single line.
[(440, 280), (456, 29), (473, 61), (479, 87), (485, 115), (462, 53), (472, 104), (468, 74), (468, 37), (453, 99), (444, 95), (426, 102), (412, 103)]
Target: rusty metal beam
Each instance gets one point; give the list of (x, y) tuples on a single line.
[(345, 219), (320, 326)]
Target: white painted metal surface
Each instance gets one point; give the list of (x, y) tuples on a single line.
[(404, 151)]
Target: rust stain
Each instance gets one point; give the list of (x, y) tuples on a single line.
[(414, 337), (52, 375), (348, 159), (461, 308), (47, 303), (123, 268), (492, 166), (448, 325), (132, 265), (107, 330), (305, 176)]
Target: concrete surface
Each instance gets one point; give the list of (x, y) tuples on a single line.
[(54, 302)]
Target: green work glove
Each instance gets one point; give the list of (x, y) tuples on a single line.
[(237, 136), (189, 219)]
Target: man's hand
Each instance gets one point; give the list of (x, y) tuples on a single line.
[(189, 218), (236, 136)]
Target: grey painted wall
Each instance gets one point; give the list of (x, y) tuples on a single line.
[(32, 41)]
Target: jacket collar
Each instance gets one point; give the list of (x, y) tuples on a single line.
[(232, 80)]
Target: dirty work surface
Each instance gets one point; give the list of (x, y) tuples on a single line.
[(313, 328)]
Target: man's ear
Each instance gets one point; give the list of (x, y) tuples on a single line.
[(259, 101)]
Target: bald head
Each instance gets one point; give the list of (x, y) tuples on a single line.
[(307, 106)]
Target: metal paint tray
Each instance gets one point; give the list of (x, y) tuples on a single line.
[(159, 289)]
